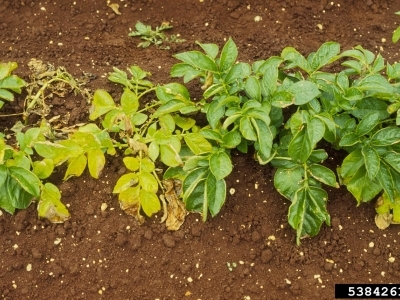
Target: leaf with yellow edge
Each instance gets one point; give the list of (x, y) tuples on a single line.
[(149, 202), (96, 162), (76, 166), (50, 205)]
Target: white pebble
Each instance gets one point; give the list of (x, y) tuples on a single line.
[(29, 267), (190, 279), (257, 19), (371, 245), (320, 26), (103, 206), (232, 191), (391, 259), (57, 241)]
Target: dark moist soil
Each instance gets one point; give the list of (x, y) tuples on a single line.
[(106, 255)]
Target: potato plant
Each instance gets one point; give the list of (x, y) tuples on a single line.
[(287, 108)]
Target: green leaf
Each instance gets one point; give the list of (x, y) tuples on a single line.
[(375, 84), (197, 143), (6, 95), (193, 189), (43, 168), (238, 71), (264, 140), (214, 114), (349, 139), (175, 172), (210, 49), (367, 124), (149, 202), (371, 161), (13, 196), (315, 130), (282, 99), (26, 179), (323, 174), (50, 205), (362, 187), (220, 164), (386, 180), (247, 129), (386, 136), (350, 165), (228, 55), (173, 91), (184, 122), (169, 107), (288, 180), (125, 182), (326, 54), (102, 103), (300, 147), (253, 88), (215, 193), (198, 60), (153, 150), (292, 55), (270, 72), (304, 91), (129, 101), (169, 153), (393, 159), (167, 122), (231, 139), (308, 211), (396, 35), (213, 90), (13, 83), (76, 166)]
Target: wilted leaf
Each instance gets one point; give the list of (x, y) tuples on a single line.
[(50, 205)]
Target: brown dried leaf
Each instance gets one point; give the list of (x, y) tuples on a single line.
[(176, 211), (114, 7)]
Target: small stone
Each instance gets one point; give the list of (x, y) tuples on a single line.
[(257, 19), (29, 267), (371, 245), (391, 259), (103, 206), (232, 191)]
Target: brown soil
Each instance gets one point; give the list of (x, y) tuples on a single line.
[(106, 255)]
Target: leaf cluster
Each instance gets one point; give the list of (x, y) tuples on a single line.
[(9, 83), (155, 36)]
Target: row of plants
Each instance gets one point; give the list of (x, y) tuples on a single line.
[(287, 108)]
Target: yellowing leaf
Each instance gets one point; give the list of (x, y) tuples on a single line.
[(50, 205), (44, 168), (76, 166), (149, 202), (148, 182), (131, 163), (96, 162), (125, 182)]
